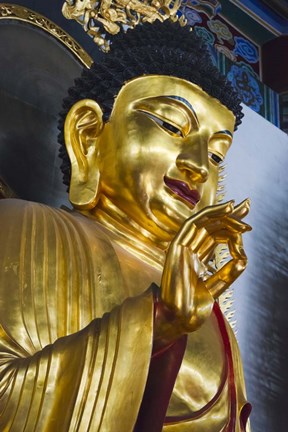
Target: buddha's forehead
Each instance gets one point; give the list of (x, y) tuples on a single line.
[(156, 86)]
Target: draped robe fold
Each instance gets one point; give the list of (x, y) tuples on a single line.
[(63, 364)]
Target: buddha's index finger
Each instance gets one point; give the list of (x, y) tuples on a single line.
[(190, 227)]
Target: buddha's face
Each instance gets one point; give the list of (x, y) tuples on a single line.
[(160, 151)]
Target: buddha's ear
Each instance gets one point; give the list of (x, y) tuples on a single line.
[(82, 129)]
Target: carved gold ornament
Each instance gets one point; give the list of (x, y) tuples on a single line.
[(109, 16)]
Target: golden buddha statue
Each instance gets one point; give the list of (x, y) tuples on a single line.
[(109, 319)]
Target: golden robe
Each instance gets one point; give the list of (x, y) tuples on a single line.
[(64, 366)]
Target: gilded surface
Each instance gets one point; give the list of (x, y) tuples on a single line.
[(109, 16), (15, 12), (39, 361), (146, 185)]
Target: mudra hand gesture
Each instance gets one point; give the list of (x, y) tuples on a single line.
[(187, 288)]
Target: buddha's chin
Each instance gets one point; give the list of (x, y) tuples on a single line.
[(169, 218)]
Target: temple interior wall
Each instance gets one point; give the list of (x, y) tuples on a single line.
[(257, 168)]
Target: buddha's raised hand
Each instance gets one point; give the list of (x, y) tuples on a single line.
[(187, 288)]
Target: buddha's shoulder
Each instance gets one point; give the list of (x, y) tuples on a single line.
[(14, 204), (18, 208), (39, 220), (19, 213), (14, 211)]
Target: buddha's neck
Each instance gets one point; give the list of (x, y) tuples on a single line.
[(128, 234)]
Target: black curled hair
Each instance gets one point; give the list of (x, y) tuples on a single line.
[(159, 48)]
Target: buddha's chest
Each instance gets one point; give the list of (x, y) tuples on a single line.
[(203, 372)]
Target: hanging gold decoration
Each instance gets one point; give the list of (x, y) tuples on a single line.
[(108, 16)]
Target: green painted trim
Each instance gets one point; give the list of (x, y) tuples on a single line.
[(244, 23)]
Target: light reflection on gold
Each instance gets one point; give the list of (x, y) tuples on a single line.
[(64, 365)]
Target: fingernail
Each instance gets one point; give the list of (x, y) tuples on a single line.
[(248, 202)]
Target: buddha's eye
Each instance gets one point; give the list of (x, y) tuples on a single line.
[(215, 158), (168, 127)]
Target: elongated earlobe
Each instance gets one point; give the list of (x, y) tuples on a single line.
[(83, 126)]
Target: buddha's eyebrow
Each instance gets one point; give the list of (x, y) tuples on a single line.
[(185, 102)]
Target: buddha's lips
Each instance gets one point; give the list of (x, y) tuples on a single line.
[(181, 189)]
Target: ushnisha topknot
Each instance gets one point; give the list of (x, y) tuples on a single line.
[(159, 48)]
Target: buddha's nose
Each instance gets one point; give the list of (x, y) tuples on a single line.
[(196, 167)]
